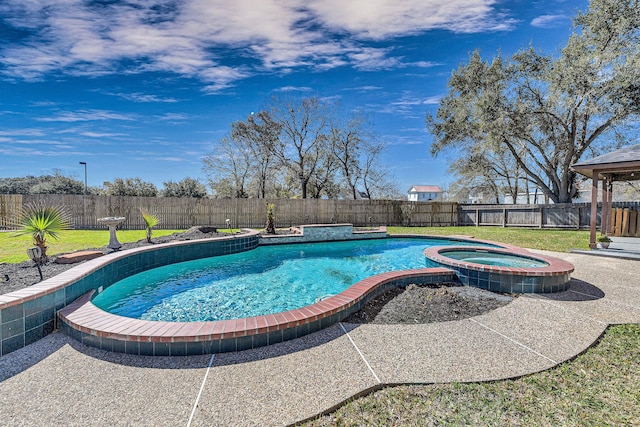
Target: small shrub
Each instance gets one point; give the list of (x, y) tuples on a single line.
[(150, 220), (271, 228), (42, 221)]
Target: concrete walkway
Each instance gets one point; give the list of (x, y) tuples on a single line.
[(58, 381)]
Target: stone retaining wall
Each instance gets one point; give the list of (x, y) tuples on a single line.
[(323, 233)]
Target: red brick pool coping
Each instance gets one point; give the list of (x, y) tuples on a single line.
[(83, 316)]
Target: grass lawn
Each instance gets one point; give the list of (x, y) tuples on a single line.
[(545, 239), (601, 387), (14, 249)]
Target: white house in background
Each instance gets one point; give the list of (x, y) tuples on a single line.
[(425, 193)]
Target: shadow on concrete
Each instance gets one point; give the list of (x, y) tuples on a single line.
[(578, 291), (22, 359)]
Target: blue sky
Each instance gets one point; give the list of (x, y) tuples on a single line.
[(143, 88)]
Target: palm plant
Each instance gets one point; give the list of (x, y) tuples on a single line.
[(42, 221), (150, 220)]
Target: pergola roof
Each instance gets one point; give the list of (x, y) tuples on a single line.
[(619, 165)]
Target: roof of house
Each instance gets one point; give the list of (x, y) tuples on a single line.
[(425, 189)]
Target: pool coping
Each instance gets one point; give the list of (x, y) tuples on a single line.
[(554, 267), (93, 326)]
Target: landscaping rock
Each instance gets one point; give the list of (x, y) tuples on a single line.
[(76, 257)]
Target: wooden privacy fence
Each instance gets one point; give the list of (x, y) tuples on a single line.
[(568, 215), (182, 213), (625, 222)]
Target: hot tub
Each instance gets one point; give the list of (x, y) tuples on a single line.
[(511, 270)]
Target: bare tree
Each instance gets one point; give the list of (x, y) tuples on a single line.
[(303, 136), (259, 134), (231, 163), (377, 180), (347, 144)]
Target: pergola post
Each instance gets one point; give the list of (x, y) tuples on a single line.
[(594, 211), (605, 215), (620, 165), (609, 204)]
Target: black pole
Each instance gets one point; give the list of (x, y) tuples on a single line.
[(85, 176)]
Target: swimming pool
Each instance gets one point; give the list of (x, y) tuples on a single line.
[(268, 279), (93, 326)]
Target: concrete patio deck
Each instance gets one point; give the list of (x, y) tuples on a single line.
[(58, 381), (620, 247)]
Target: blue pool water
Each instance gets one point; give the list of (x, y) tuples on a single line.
[(268, 279), (495, 258)]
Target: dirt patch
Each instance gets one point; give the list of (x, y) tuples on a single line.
[(428, 304)]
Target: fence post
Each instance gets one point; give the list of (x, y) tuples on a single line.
[(541, 210)]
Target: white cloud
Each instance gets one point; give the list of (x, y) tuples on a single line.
[(174, 117), (379, 19), (373, 59), (91, 134), (23, 132), (85, 116), (293, 89), (141, 97), (409, 105), (551, 21), (186, 37), (364, 88)]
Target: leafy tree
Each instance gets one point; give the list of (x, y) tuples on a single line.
[(44, 184), (543, 113), (17, 185), (188, 187), (58, 184), (131, 187)]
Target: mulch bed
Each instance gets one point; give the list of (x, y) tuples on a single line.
[(428, 304)]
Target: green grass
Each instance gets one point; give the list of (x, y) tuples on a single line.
[(13, 249), (599, 388), (545, 239)]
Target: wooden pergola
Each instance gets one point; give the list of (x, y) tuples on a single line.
[(619, 165)]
